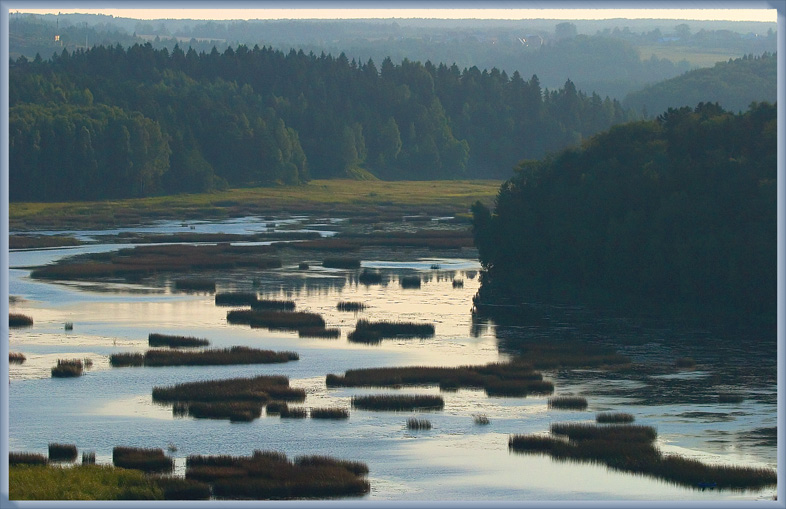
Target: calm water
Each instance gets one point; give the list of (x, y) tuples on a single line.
[(456, 460)]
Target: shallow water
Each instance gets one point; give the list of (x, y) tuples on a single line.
[(455, 460)]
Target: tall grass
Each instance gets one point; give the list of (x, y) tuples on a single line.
[(211, 357), (368, 278), (26, 458), (418, 424), (271, 304), (19, 320), (286, 320), (498, 379), (147, 460), (259, 389), (235, 298), (293, 413), (329, 413), (568, 402), (270, 475), (176, 488), (630, 448), (80, 482), (396, 402), (235, 411), (350, 306), (67, 368), (614, 417), (62, 452), (16, 357), (374, 332), (154, 339), (319, 332)]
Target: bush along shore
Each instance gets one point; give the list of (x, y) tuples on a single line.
[(514, 379), (629, 448), (211, 357)]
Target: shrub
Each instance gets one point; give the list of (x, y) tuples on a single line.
[(69, 326), (341, 263), (195, 285), (418, 424), (147, 460), (62, 452), (154, 339), (329, 413), (26, 458), (480, 419), (568, 402), (67, 368), (410, 282), (16, 358), (398, 402), (17, 320), (614, 417), (350, 306)]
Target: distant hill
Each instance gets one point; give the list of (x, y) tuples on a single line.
[(734, 85)]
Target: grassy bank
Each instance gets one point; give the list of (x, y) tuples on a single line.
[(85, 482), (348, 196)]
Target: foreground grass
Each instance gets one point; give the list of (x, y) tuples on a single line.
[(348, 196), (84, 482)]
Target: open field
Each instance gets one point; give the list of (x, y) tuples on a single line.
[(349, 196), (695, 57)]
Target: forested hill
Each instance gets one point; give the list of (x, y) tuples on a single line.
[(676, 214), (734, 85), (113, 122)]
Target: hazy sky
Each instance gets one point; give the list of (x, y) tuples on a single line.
[(387, 11)]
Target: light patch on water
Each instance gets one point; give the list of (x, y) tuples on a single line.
[(136, 406)]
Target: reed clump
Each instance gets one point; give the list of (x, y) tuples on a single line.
[(236, 298), (614, 417), (19, 320), (685, 363), (339, 263), (62, 452), (513, 379), (275, 407), (195, 285), (147, 460), (16, 357), (210, 357), (374, 332), (350, 306), (410, 282), (418, 424), (283, 320), (294, 413), (568, 402), (258, 389), (89, 458), (270, 475), (172, 341), (235, 411), (68, 368), (26, 458), (728, 397), (319, 332), (629, 448), (480, 419), (330, 413), (272, 304), (398, 402), (176, 488)]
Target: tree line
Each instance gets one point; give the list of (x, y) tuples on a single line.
[(257, 116), (675, 214)]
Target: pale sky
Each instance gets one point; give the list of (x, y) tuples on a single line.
[(769, 15)]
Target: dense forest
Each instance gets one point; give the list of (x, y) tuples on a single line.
[(676, 214), (113, 122), (734, 85)]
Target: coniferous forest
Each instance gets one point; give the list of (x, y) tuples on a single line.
[(112, 122), (677, 214)]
